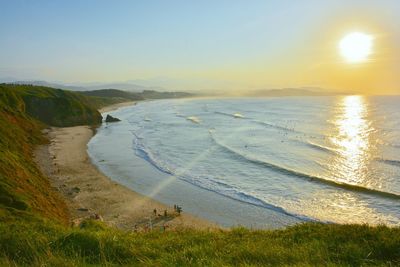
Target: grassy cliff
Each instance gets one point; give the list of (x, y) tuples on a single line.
[(24, 111), (115, 96), (33, 230), (56, 107)]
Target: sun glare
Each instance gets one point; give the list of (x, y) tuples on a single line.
[(356, 47), (352, 140)]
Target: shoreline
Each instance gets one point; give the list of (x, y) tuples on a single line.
[(121, 164), (89, 193), (117, 106)]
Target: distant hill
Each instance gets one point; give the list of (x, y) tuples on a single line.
[(114, 93), (120, 96), (48, 84), (87, 87), (290, 92), (131, 87), (150, 94)]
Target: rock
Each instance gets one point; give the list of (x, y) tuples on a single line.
[(110, 118)]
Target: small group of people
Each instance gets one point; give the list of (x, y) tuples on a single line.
[(165, 213), (178, 209)]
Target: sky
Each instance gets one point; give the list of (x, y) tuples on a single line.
[(201, 45)]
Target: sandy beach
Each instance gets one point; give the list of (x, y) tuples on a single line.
[(90, 194)]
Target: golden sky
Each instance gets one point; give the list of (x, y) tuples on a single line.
[(209, 45)]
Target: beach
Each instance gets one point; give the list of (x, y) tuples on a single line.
[(117, 106), (90, 194)]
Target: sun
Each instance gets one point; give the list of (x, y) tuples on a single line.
[(356, 47)]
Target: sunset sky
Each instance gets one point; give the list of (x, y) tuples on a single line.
[(228, 45)]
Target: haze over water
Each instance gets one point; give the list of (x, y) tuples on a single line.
[(333, 159)]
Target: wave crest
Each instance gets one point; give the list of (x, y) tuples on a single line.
[(308, 177), (392, 162)]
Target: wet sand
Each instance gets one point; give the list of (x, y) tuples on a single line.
[(117, 106)]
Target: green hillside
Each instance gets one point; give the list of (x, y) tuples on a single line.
[(119, 95), (114, 93), (22, 187), (105, 97), (33, 217), (56, 107)]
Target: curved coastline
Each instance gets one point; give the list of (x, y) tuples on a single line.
[(142, 177)]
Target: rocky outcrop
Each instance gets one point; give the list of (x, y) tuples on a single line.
[(110, 118)]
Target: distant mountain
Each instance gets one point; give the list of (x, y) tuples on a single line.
[(123, 86), (49, 84), (151, 94), (291, 92), (7, 79), (133, 96), (86, 87), (114, 93)]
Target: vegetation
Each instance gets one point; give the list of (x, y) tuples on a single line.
[(43, 243), (56, 107), (119, 95), (114, 93), (22, 186), (105, 97), (33, 218)]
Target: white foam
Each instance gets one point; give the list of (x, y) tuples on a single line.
[(193, 119)]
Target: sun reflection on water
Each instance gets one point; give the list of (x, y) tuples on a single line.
[(352, 141)]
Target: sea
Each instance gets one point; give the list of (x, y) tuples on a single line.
[(260, 162)]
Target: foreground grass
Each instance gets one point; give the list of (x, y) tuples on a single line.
[(36, 242)]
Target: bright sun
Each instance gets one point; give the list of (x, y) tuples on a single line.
[(356, 47)]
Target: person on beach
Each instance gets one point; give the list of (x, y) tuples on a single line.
[(178, 209)]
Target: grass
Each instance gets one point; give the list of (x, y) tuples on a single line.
[(40, 242), (22, 185), (56, 107), (34, 230)]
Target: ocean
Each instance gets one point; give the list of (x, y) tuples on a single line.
[(261, 162)]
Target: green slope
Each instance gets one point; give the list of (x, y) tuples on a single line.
[(114, 93), (24, 111), (56, 107), (119, 95)]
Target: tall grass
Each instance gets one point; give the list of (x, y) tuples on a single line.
[(40, 242)]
